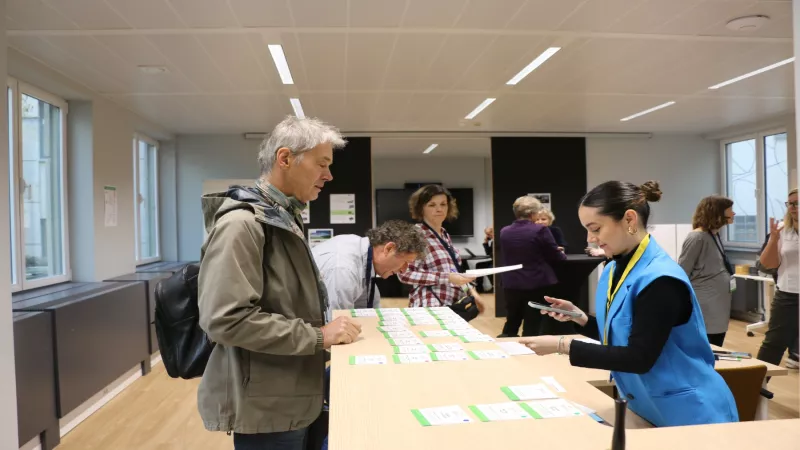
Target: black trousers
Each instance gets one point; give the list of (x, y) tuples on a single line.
[(480, 281), (519, 313), (716, 339), (783, 328)]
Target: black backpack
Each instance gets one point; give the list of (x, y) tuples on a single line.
[(185, 347)]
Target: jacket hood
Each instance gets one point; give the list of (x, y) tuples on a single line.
[(236, 197)]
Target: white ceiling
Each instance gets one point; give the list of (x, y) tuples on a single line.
[(419, 65)]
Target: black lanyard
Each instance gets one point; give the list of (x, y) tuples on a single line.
[(718, 244), (449, 249), (370, 280)]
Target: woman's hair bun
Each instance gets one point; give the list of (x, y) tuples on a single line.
[(651, 191)]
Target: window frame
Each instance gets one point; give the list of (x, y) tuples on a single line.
[(761, 185), (138, 137), (18, 88)]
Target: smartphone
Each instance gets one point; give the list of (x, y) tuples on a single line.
[(551, 309)]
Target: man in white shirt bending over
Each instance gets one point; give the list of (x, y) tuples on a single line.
[(349, 264)]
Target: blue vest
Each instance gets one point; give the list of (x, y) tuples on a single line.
[(682, 388)]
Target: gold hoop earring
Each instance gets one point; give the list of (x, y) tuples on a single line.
[(631, 230)]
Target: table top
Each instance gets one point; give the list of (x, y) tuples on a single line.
[(371, 404)]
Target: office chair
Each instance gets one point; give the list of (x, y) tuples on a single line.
[(745, 384)]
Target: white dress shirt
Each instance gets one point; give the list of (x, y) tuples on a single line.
[(342, 263)]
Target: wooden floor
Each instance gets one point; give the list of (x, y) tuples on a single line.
[(160, 413)]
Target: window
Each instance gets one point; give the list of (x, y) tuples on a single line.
[(39, 250), (145, 174), (757, 180)]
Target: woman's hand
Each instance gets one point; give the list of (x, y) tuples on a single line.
[(561, 249), (566, 305), (591, 251), (458, 279), (774, 228), (546, 345)]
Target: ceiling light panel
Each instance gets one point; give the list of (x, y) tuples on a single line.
[(430, 148), (280, 63), (297, 107), (480, 108), (647, 111), (538, 61), (753, 73)]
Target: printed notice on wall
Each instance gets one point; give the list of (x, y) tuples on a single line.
[(343, 208), (110, 201), (306, 214), (544, 199), (317, 236)]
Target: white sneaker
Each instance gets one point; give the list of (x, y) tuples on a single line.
[(792, 363)]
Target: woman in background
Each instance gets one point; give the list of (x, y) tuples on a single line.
[(546, 218), (780, 256), (704, 260), (532, 245), (436, 280)]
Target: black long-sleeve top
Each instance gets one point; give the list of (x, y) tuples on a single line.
[(662, 305)]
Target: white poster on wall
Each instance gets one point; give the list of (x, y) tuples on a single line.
[(110, 205), (544, 199), (343, 208)]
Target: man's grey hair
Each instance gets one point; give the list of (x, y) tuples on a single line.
[(299, 136), (407, 237), (527, 206)]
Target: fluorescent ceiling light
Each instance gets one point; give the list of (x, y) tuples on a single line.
[(298, 108), (480, 108), (430, 148), (533, 65), (280, 63), (647, 111), (753, 73)]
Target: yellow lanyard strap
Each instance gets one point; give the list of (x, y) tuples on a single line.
[(610, 297)]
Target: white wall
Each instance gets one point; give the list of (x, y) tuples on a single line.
[(8, 383), (687, 168), (104, 155), (389, 173)]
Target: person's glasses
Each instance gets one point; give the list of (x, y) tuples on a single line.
[(792, 204)]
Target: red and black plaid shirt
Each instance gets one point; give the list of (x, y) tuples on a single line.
[(429, 277)]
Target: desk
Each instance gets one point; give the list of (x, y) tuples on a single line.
[(371, 405), (765, 303)]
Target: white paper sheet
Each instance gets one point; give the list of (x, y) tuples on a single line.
[(492, 271), (515, 348)]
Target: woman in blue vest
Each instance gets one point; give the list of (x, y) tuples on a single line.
[(649, 323)]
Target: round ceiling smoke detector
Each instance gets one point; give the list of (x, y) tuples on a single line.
[(747, 23)]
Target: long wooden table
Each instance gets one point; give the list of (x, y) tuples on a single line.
[(371, 404)]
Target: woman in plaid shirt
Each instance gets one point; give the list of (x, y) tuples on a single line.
[(436, 279)]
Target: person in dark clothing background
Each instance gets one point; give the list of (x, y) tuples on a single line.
[(546, 218), (488, 247), (648, 318), (532, 245)]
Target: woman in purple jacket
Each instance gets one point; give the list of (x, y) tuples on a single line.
[(532, 245)]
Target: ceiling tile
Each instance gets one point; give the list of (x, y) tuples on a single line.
[(324, 59), (135, 49), (413, 55), (89, 14), (704, 15), (314, 13), (144, 14), (489, 14), (502, 60), (328, 107), (291, 48), (234, 53), (205, 13), (544, 14), (377, 13), (367, 58), (430, 14), (454, 59), (598, 15), (90, 52), (35, 15), (651, 14), (262, 13), (779, 25), (185, 53)]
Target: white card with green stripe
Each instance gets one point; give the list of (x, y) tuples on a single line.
[(387, 328), (488, 354), (445, 415), (446, 347), (368, 360), (363, 313), (398, 334), (404, 341), (450, 356), (550, 409), (502, 411), (476, 338), (412, 358), (528, 392), (406, 349), (436, 333)]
